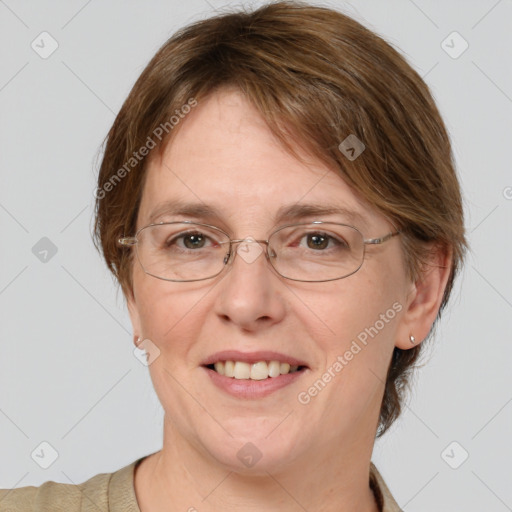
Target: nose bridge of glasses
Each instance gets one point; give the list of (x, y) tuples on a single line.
[(249, 249), (249, 239)]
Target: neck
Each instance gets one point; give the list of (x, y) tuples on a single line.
[(181, 478)]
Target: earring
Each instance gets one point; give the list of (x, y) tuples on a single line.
[(139, 339), (412, 339)]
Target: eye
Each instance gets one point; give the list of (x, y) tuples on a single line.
[(191, 240), (319, 241)]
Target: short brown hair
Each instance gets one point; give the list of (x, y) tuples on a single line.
[(316, 76)]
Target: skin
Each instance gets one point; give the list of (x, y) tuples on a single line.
[(314, 456)]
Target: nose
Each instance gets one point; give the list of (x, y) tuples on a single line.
[(250, 295)]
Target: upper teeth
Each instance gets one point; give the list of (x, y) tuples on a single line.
[(256, 371)]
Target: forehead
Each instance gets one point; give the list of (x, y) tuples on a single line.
[(224, 156)]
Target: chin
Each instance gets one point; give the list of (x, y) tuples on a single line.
[(255, 454)]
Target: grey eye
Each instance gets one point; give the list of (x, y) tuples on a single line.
[(193, 240)]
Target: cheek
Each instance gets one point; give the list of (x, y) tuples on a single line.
[(359, 319), (348, 306), (356, 347), (169, 314)]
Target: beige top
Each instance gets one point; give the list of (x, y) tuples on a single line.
[(115, 492)]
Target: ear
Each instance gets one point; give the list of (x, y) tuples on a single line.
[(134, 315), (424, 299)]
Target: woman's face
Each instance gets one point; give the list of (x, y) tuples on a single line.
[(342, 331)]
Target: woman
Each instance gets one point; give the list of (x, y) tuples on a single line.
[(279, 204)]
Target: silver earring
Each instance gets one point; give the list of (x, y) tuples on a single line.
[(412, 339)]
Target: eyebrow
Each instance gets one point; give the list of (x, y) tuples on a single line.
[(286, 213)]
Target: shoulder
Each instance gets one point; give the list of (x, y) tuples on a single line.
[(99, 493), (58, 497)]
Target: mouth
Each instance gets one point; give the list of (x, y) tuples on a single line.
[(253, 375), (259, 370)]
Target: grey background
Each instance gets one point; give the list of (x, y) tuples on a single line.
[(68, 375)]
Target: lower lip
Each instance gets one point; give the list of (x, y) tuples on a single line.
[(251, 389)]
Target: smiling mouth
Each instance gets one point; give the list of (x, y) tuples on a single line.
[(260, 370)]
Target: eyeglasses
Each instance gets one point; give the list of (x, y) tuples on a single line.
[(312, 252)]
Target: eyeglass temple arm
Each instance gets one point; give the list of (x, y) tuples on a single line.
[(382, 239), (127, 240)]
